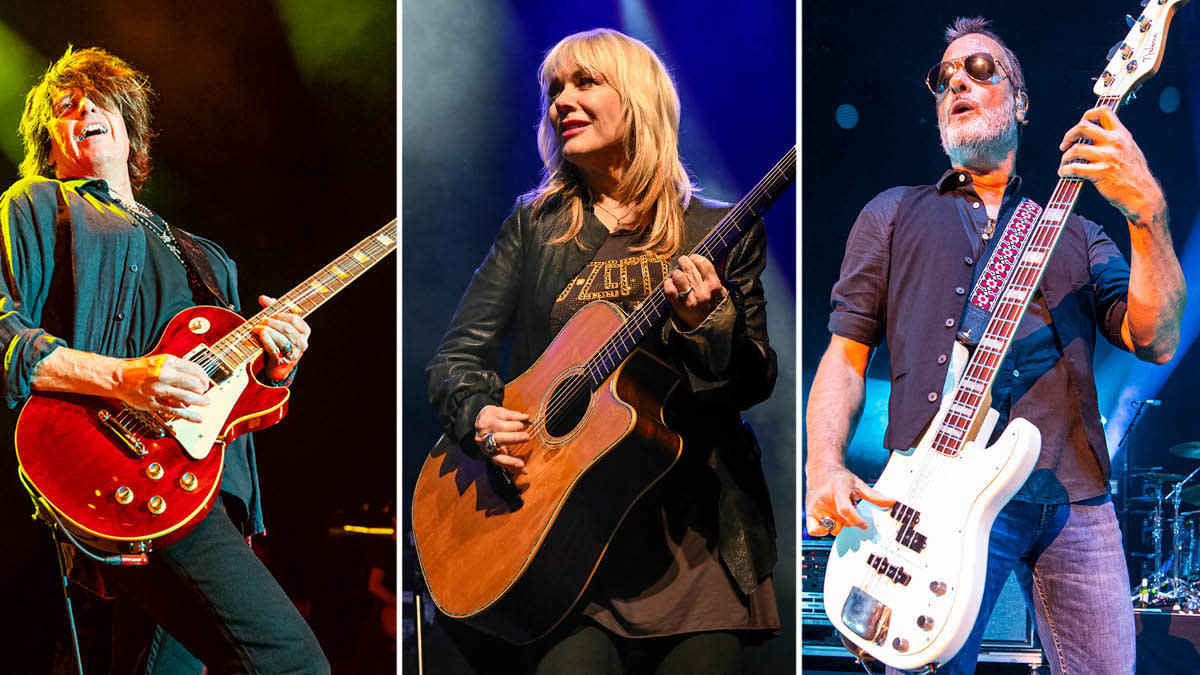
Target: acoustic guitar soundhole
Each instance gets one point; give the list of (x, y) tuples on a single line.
[(567, 406)]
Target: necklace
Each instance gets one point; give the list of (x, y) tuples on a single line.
[(615, 216), (147, 218)]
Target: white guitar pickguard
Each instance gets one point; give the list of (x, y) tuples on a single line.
[(198, 439)]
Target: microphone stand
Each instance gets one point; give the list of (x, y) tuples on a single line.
[(1137, 416)]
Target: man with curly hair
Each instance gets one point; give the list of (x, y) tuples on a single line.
[(90, 278)]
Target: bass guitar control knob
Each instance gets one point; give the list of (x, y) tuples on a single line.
[(900, 644), (925, 622), (156, 505), (154, 471), (123, 495), (937, 587)]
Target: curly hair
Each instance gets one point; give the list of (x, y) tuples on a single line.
[(105, 79)]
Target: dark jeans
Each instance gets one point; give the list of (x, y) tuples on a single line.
[(213, 595), (590, 650), (1070, 565)]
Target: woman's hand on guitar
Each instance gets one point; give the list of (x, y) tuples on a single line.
[(833, 493), (694, 290), (162, 383), (506, 427)]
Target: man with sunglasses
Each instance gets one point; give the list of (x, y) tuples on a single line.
[(910, 259)]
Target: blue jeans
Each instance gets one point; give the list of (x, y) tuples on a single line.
[(1070, 565)]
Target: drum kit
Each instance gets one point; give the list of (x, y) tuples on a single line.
[(1171, 570)]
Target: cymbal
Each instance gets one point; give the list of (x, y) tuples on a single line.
[(1191, 495), (1160, 476), (1191, 450)]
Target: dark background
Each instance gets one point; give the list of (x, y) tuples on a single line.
[(874, 56), (277, 125), (469, 115)]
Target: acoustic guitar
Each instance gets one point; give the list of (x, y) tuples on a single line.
[(514, 563)]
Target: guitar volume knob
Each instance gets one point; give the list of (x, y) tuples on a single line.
[(188, 481), (123, 495), (925, 622), (154, 471), (900, 644), (156, 505), (937, 587)]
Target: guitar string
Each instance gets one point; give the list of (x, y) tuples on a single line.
[(212, 359), (608, 351)]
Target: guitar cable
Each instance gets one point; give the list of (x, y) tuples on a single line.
[(41, 509)]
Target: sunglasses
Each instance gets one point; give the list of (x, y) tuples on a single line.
[(980, 67)]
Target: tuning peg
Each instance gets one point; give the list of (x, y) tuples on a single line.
[(1143, 3), (1129, 21), (1113, 51)]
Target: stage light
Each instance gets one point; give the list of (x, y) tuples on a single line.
[(846, 116), (20, 66), (1168, 100)]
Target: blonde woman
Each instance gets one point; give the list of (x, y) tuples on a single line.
[(689, 569)]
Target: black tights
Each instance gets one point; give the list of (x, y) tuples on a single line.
[(590, 650)]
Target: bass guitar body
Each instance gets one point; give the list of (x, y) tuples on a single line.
[(512, 560), (908, 588), (124, 480)]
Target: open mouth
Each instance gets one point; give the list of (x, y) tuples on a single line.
[(961, 107), (90, 130)]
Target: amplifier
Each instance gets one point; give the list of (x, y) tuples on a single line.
[(1010, 635)]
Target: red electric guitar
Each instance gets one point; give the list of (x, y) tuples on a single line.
[(125, 480)]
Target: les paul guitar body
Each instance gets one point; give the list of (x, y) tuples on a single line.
[(907, 589), (513, 560), (109, 474), (124, 480)]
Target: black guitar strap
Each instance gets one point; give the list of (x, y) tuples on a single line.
[(200, 273), (1007, 248)]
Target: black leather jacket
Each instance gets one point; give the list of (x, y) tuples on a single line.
[(514, 290)]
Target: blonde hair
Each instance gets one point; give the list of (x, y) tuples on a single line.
[(655, 181)]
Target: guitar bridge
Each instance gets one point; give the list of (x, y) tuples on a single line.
[(123, 433), (131, 426), (866, 616)]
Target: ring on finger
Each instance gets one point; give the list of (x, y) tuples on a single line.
[(286, 349), (686, 293), (490, 446), (828, 523)]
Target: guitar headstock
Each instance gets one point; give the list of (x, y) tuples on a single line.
[(1138, 56)]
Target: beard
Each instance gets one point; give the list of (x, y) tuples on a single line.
[(983, 140)]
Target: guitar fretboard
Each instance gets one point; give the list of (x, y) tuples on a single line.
[(240, 347), (1010, 308), (727, 233)]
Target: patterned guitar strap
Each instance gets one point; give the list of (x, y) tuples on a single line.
[(997, 272)]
